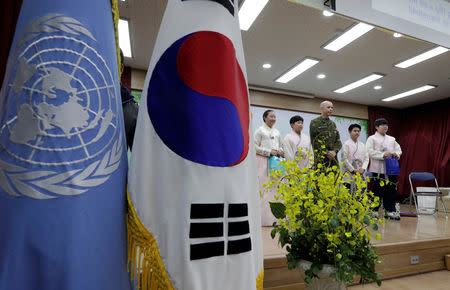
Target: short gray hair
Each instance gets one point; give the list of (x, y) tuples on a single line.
[(324, 103)]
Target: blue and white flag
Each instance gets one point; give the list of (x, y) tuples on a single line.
[(62, 151), (194, 219)]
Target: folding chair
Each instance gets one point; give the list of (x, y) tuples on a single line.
[(425, 176)]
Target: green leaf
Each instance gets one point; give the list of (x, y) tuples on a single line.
[(273, 233), (366, 220), (278, 210), (308, 280), (291, 265), (315, 270), (375, 227), (334, 223)]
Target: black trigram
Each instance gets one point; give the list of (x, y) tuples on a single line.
[(211, 233), (227, 4)]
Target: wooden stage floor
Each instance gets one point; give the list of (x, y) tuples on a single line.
[(427, 236)]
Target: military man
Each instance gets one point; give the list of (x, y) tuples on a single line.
[(325, 137)]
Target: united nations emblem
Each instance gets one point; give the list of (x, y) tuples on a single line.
[(59, 123)]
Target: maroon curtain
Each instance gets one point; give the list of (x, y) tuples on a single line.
[(393, 116), (8, 17), (423, 132), (425, 140)]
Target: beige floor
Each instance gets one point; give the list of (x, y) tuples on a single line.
[(425, 227), (439, 280)]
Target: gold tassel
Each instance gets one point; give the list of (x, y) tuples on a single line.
[(115, 14), (144, 259), (260, 280)]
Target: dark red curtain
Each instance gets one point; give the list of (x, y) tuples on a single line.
[(393, 116), (423, 132), (8, 17)]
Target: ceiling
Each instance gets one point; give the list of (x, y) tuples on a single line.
[(285, 33)]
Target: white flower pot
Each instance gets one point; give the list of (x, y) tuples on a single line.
[(325, 282)]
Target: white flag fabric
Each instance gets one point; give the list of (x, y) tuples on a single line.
[(194, 219)]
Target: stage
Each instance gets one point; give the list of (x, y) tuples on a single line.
[(427, 237)]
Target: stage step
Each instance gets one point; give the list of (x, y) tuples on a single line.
[(396, 262)]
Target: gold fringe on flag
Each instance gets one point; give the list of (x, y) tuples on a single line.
[(144, 258), (260, 280), (115, 14)]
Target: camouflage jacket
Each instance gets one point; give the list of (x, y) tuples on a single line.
[(324, 132)]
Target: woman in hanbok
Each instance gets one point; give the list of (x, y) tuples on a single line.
[(268, 143)]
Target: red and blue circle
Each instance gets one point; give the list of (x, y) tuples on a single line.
[(198, 100)]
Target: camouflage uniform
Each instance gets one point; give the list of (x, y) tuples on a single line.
[(323, 131)]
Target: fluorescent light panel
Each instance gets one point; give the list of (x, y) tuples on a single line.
[(409, 93), (422, 57), (249, 11), (302, 66), (124, 37), (359, 83), (350, 35)]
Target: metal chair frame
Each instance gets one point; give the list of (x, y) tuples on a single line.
[(425, 176)]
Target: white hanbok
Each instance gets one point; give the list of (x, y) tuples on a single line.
[(295, 142), (376, 146), (354, 156), (266, 140)]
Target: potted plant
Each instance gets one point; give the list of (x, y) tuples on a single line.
[(324, 227)]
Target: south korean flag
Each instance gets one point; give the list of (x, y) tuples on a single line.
[(194, 219)]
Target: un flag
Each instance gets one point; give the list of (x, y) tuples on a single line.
[(62, 151)]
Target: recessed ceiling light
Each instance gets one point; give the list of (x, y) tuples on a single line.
[(350, 35), (378, 87), (321, 76), (267, 65), (124, 37), (249, 11), (297, 69), (422, 57), (327, 13), (409, 93), (359, 83), (397, 35)]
